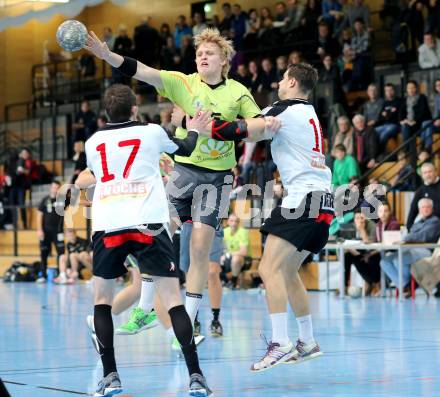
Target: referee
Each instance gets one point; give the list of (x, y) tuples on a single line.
[(50, 228)]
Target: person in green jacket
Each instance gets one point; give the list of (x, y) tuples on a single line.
[(345, 167)]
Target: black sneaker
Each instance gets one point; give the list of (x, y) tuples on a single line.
[(197, 328), (216, 328), (198, 386)]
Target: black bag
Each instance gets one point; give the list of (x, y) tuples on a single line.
[(20, 271)]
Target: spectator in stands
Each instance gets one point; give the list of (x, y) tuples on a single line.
[(366, 145), (429, 52), (79, 158), (346, 65), (373, 107), (344, 136), (85, 122), (295, 57), (429, 189), (268, 76), (87, 65), (266, 35), (199, 25), (181, 30), (108, 38), (345, 37), (253, 25), (280, 11), (309, 21), (357, 11), (236, 239), (255, 76), (365, 261), (123, 44), (416, 21), (329, 74), (19, 172), (360, 41), (77, 258), (226, 23), (414, 111), (330, 8), (436, 120), (188, 55), (170, 57), (326, 44), (243, 76), (164, 34), (165, 120), (281, 68), (386, 222), (433, 16), (239, 21), (388, 124), (50, 227), (345, 167), (402, 181), (425, 230), (423, 157), (295, 12), (237, 184), (147, 43)]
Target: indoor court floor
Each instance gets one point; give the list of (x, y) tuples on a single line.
[(373, 347)]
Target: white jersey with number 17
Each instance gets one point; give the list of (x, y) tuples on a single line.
[(129, 190), (298, 150)]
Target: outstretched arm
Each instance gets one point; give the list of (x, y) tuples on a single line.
[(138, 70)]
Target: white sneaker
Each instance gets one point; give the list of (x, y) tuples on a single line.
[(40, 280), (275, 355), (303, 352), (61, 279)]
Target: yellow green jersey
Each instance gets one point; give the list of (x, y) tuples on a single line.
[(228, 100), (233, 242)]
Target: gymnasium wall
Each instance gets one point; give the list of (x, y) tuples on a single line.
[(22, 47)]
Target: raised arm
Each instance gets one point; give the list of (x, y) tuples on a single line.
[(127, 65)]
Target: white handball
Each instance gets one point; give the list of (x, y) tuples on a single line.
[(72, 35)]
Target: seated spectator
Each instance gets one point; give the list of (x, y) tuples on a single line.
[(372, 108), (87, 65), (329, 10), (429, 52), (164, 34), (413, 112), (345, 37), (325, 43), (255, 76), (346, 66), (386, 222), (267, 36), (237, 184), (426, 230), (281, 67), (345, 167), (169, 55), (123, 45), (147, 42), (295, 12), (198, 26), (182, 29), (266, 18), (366, 145), (280, 11), (429, 189), (188, 54), (309, 21), (243, 76), (226, 23), (433, 17), (365, 261), (77, 258), (429, 127), (345, 135), (80, 160), (239, 19), (423, 157), (237, 244), (85, 123), (253, 25), (268, 76), (360, 41), (357, 11), (388, 124), (402, 181), (295, 57), (108, 37)]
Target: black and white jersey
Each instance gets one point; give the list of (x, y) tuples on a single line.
[(298, 150)]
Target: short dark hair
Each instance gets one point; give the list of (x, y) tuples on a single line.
[(226, 5), (359, 20), (56, 182), (390, 85), (341, 147), (118, 101), (306, 76), (413, 82)]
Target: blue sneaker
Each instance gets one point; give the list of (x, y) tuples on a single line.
[(109, 386)]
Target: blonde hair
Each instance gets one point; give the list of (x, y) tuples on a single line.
[(210, 35)]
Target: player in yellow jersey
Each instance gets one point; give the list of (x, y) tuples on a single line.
[(200, 184)]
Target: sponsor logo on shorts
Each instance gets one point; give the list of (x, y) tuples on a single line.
[(172, 267)]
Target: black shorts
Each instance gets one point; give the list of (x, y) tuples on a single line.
[(307, 226), (152, 247), (199, 195)]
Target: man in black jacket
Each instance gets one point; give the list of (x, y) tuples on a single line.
[(429, 189), (388, 124), (365, 144), (146, 43)]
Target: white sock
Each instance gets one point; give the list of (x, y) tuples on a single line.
[(147, 295), (305, 328), (192, 304), (170, 333), (279, 328)]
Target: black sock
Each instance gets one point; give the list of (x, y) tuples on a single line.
[(234, 280), (104, 333), (184, 333), (216, 314)]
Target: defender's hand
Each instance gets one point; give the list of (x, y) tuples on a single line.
[(201, 122), (177, 116), (97, 47)]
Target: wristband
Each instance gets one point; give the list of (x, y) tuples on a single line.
[(128, 67)]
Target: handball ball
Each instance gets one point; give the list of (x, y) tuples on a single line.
[(72, 35), (354, 292)]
